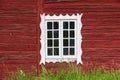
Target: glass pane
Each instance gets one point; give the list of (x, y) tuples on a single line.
[(49, 25), (56, 43), (72, 42), (56, 34), (49, 51), (65, 34), (65, 51), (49, 43), (56, 51), (72, 34), (72, 51), (56, 25), (65, 42), (65, 25), (49, 34), (72, 25)]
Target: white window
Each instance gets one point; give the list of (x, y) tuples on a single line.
[(61, 38)]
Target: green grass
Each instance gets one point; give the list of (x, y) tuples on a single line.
[(72, 73)]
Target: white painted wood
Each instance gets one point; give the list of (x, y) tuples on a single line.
[(59, 56), (61, 17), (54, 60), (78, 39), (68, 56), (42, 39)]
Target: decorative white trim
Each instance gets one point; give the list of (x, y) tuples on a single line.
[(42, 39), (63, 17), (78, 38), (54, 60)]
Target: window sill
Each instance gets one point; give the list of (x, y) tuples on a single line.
[(54, 60)]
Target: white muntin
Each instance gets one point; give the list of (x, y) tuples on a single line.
[(60, 57)]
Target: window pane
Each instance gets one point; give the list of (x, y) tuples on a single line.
[(72, 51), (49, 43), (65, 42), (49, 51), (65, 51), (56, 25), (56, 43), (65, 34), (49, 34), (56, 34), (56, 51), (72, 42), (72, 34), (49, 25), (72, 25), (65, 25)]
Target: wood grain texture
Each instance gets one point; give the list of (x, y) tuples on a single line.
[(18, 35), (55, 1), (101, 44), (100, 31)]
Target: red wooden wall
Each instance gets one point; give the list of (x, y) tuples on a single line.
[(19, 31), (18, 34), (100, 31)]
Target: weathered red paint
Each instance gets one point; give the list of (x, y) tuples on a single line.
[(18, 35), (100, 31), (20, 31)]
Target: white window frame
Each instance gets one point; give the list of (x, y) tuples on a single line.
[(61, 39), (50, 57), (78, 38)]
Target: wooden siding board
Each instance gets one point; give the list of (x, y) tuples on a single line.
[(29, 34), (101, 36), (18, 28), (101, 44), (84, 5), (17, 47), (18, 6), (79, 1), (105, 60), (18, 39), (19, 57), (17, 20), (81, 8), (100, 31), (101, 52), (12, 11), (16, 52), (102, 27), (97, 22)]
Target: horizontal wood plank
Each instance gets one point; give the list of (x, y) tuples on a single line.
[(19, 58), (18, 35), (101, 44), (101, 36), (85, 6), (102, 27), (17, 47), (18, 20), (68, 1), (101, 52), (8, 6), (18, 28)]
